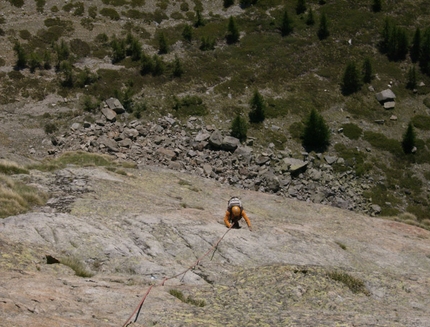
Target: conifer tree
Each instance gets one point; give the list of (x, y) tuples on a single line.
[(412, 78), (233, 34), (416, 46), (367, 71), (239, 128), (310, 20), (300, 7), (323, 32), (159, 66), (316, 134), (199, 19), (286, 24), (228, 3), (351, 79), (146, 64), (118, 50), (425, 53), (177, 67), (21, 55), (377, 6), (257, 113), (408, 141), (163, 48), (187, 33)]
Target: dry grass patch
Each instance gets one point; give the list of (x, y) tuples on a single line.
[(17, 197)]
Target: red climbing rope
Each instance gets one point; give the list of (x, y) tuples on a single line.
[(139, 307)]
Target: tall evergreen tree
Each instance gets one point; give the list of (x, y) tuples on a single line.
[(163, 48), (412, 78), (416, 46), (316, 134), (351, 79), (425, 53), (199, 19), (178, 70), (159, 66), (323, 32), (258, 108), (21, 55), (408, 141), (310, 20), (377, 6), (228, 3), (367, 71), (239, 128), (118, 50), (300, 7), (233, 34), (286, 24), (187, 33)]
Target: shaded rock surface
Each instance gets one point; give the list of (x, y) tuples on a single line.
[(131, 231)]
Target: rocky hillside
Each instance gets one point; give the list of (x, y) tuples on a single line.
[(88, 257)]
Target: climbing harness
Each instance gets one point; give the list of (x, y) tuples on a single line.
[(136, 312)]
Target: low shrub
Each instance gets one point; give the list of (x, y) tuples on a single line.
[(180, 296), (77, 266), (190, 105), (352, 131), (110, 13), (356, 285), (421, 122)]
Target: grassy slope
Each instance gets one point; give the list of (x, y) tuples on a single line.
[(294, 73)]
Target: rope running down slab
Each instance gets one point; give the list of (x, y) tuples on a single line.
[(139, 307)]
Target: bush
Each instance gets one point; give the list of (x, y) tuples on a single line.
[(110, 13), (180, 296), (352, 131), (190, 105), (422, 122), (356, 285), (50, 128)]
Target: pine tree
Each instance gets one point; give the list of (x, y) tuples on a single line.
[(416, 46), (408, 141), (146, 64), (257, 113), (286, 24), (316, 135), (163, 48), (239, 128), (177, 67), (425, 53), (323, 32), (199, 19), (228, 3), (367, 71), (118, 50), (300, 7), (376, 7), (159, 66), (21, 55), (232, 31), (412, 79), (34, 62), (351, 79), (310, 20), (187, 33)]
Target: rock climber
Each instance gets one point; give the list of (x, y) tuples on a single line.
[(234, 213)]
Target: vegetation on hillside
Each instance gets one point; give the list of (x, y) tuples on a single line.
[(284, 59)]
